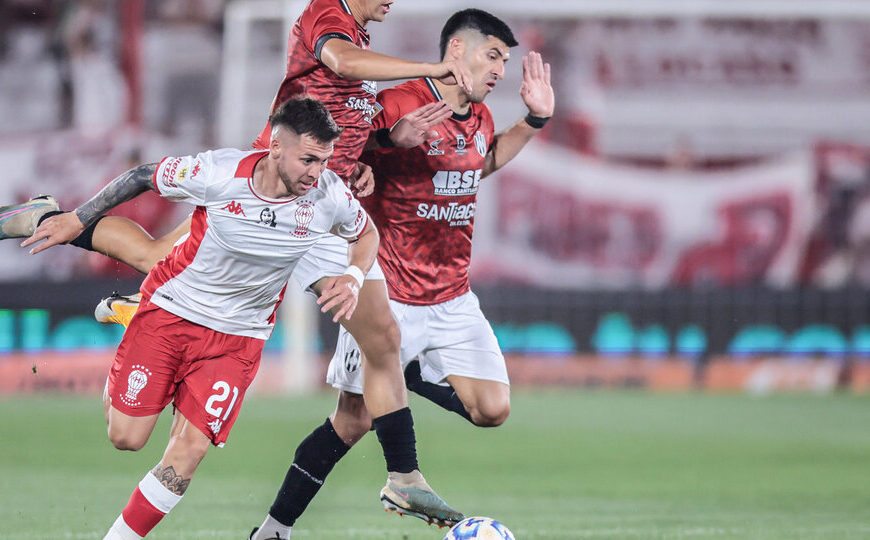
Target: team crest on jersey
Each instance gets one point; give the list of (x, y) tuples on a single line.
[(267, 217), (460, 144), (136, 381), (304, 215), (480, 143), (433, 147)]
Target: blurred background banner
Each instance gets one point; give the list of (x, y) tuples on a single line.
[(696, 214)]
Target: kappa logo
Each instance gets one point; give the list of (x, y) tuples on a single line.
[(234, 208), (304, 215), (433, 147), (480, 143), (215, 426), (196, 169)]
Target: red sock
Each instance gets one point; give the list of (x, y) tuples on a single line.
[(140, 515)]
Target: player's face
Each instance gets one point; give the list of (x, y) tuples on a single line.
[(485, 57), (376, 10), (300, 159)]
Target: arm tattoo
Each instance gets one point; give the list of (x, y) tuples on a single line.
[(123, 188), (171, 481)]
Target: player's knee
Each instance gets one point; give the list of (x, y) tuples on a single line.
[(125, 439), (491, 414)]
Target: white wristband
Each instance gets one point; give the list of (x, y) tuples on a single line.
[(356, 273)]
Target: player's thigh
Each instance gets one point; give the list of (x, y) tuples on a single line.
[(143, 376), (213, 385)]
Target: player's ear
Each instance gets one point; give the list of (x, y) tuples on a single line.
[(455, 48)]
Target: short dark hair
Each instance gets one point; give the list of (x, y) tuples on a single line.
[(476, 19), (306, 116)]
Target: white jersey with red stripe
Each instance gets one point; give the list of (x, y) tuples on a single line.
[(230, 273)]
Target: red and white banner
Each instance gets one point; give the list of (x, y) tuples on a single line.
[(555, 218)]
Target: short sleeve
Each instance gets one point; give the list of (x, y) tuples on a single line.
[(325, 26), (350, 218), (184, 178), (391, 108)]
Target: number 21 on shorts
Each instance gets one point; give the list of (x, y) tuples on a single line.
[(223, 392)]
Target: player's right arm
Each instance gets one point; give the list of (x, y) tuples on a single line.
[(351, 62), (65, 227)]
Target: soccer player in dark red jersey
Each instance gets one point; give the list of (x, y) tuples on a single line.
[(423, 205)]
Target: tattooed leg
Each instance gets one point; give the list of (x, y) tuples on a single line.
[(170, 480)]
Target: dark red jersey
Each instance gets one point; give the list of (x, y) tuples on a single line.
[(350, 101), (424, 198)]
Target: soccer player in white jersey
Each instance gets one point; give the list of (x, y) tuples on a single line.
[(209, 306)]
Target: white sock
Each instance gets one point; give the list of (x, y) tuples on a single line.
[(272, 529), (121, 531)]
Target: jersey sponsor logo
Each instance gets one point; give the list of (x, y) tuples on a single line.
[(433, 148), (460, 144), (136, 382), (234, 208), (304, 215), (453, 183), (267, 217), (370, 86), (455, 214), (169, 170), (362, 104), (480, 143)]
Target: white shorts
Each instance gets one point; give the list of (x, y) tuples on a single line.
[(450, 338), (328, 257)]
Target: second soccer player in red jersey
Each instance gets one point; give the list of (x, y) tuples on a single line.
[(423, 205)]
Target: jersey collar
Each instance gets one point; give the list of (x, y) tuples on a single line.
[(437, 95)]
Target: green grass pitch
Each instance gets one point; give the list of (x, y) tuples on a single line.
[(568, 464)]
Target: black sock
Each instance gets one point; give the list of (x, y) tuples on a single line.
[(83, 240), (443, 396), (396, 433), (315, 457)]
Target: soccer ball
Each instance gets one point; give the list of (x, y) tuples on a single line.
[(480, 528)]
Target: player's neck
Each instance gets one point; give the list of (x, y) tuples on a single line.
[(266, 180), (454, 96), (356, 10)]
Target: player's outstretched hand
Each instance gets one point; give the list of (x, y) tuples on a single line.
[(364, 180), (536, 91), (417, 126), (339, 295), (453, 71), (59, 229)]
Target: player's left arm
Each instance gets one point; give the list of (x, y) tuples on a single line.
[(341, 293), (537, 94)]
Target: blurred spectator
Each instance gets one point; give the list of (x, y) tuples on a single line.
[(98, 93)]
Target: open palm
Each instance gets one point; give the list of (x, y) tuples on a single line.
[(536, 91)]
